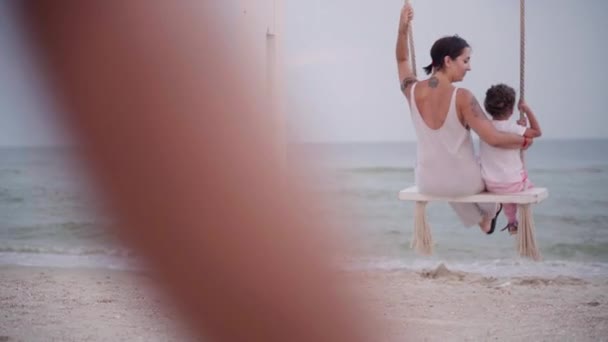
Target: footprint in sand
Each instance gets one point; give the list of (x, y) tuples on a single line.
[(442, 272)]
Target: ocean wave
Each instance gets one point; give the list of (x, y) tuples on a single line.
[(500, 268), (365, 194), (6, 198), (81, 226), (378, 169), (578, 250), (588, 169), (10, 172), (591, 221), (533, 170), (79, 251), (88, 230), (36, 194)]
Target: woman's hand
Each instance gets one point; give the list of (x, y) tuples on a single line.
[(407, 14)]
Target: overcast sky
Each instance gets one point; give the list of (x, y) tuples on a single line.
[(25, 116), (340, 76)]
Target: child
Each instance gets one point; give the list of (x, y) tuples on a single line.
[(502, 169)]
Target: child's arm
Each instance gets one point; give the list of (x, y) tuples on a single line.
[(534, 130)]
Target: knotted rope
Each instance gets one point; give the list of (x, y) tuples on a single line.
[(410, 39), (526, 241)]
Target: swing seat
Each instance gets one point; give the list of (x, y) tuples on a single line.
[(422, 240), (530, 196)]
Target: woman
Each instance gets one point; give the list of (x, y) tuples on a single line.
[(443, 116)]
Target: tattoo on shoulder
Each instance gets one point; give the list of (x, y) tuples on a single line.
[(433, 82), (408, 81), (476, 108)]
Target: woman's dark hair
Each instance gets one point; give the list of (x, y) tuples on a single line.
[(451, 46), (500, 100)]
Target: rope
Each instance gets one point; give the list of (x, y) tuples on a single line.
[(526, 241), (522, 51), (522, 61), (410, 39), (412, 52)]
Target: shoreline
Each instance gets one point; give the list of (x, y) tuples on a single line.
[(43, 303)]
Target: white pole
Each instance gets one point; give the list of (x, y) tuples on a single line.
[(274, 67)]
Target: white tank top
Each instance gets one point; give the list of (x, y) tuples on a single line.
[(446, 164)]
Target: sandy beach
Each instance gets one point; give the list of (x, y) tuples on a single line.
[(441, 305), (55, 304)]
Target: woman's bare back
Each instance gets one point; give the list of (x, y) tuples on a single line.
[(433, 101)]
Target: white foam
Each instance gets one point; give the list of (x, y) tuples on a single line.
[(493, 268), (70, 261)]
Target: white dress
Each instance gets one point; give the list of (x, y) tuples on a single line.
[(446, 164)]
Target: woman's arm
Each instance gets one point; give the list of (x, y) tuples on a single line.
[(474, 117), (406, 74)]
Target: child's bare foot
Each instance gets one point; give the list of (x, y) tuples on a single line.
[(511, 228)]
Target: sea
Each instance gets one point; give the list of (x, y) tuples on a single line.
[(50, 216)]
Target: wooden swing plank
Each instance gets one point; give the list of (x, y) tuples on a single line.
[(534, 195)]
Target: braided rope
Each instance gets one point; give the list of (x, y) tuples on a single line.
[(522, 51), (522, 61), (412, 51), (526, 241), (410, 39)]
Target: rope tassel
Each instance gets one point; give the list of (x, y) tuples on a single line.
[(526, 243), (422, 241)]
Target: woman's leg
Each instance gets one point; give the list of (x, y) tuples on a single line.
[(488, 212), (471, 214), (488, 209)]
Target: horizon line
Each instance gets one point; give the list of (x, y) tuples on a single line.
[(295, 141)]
